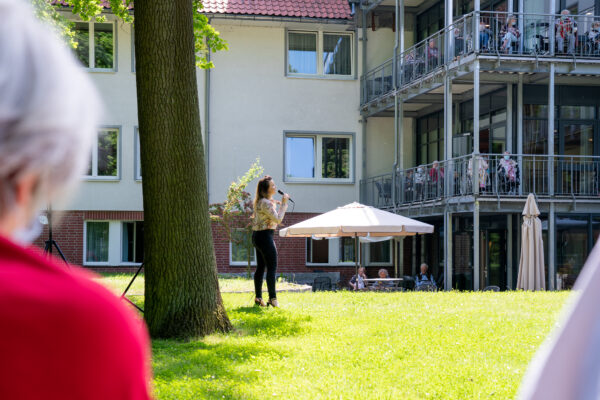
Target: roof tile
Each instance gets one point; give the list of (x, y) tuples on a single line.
[(333, 9)]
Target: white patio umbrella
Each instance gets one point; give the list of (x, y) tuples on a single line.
[(531, 268), (357, 220)]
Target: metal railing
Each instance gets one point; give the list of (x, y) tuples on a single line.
[(546, 176), (498, 33)]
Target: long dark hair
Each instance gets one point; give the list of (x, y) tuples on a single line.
[(262, 189)]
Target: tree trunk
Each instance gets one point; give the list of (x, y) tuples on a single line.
[(182, 290)]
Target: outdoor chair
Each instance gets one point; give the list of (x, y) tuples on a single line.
[(384, 192), (408, 282), (321, 283), (491, 289), (426, 288)]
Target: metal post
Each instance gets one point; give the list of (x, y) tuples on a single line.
[(520, 128), (476, 245), (509, 251), (396, 44), (448, 134), (475, 162), (476, 18), (551, 249), (509, 117), (551, 32), (396, 155), (448, 250), (551, 131), (449, 42)]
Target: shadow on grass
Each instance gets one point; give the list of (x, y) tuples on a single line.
[(196, 370), (224, 366)]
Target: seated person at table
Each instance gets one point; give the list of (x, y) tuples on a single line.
[(424, 279), (358, 283), (383, 274)]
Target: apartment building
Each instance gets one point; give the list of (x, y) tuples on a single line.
[(286, 91), (449, 87)]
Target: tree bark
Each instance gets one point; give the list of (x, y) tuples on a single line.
[(182, 290)]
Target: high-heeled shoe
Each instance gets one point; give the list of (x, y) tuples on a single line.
[(259, 302), (273, 303)]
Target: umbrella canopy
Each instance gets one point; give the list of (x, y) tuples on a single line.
[(356, 219), (531, 267)]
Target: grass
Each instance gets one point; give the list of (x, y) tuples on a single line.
[(117, 282), (348, 345)]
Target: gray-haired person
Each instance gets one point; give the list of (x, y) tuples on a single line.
[(63, 336)]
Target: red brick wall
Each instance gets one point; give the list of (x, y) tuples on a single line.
[(68, 233)]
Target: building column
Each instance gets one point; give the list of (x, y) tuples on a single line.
[(400, 260), (475, 162), (448, 254), (551, 131), (448, 19), (476, 276), (509, 118), (551, 248), (448, 135), (414, 255), (520, 127), (509, 251)]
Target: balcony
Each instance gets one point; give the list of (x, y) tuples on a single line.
[(568, 178), (500, 35)]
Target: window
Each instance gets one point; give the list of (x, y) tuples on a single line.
[(311, 157), (137, 167), (132, 242), (238, 252), (380, 253), (105, 155), (96, 44), (96, 242), (317, 251), (347, 249), (305, 49)]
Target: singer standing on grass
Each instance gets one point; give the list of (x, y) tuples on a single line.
[(266, 217)]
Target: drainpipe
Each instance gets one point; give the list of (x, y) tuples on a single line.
[(207, 122), (364, 69), (396, 112)]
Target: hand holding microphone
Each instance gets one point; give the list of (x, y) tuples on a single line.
[(285, 196)]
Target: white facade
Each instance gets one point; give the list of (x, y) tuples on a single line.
[(252, 106)]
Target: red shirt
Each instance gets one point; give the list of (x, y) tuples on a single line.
[(64, 336)]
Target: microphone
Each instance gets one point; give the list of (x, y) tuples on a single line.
[(281, 193)]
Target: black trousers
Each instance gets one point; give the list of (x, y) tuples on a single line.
[(266, 257)]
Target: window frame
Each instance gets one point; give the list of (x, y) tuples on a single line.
[(318, 152), (94, 176), (121, 262), (240, 263), (95, 263), (334, 255), (137, 160), (91, 43), (367, 255), (320, 69)]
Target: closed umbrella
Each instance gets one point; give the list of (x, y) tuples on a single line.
[(531, 267), (356, 220)]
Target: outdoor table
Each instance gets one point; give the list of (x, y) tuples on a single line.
[(373, 281)]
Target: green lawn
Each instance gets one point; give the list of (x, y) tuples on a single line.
[(117, 282), (346, 345)]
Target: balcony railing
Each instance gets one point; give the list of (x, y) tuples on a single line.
[(546, 176), (498, 33)]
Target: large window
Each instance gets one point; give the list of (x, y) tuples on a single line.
[(430, 138), (238, 252), (96, 242), (317, 251), (310, 157), (318, 53), (132, 242), (104, 160), (380, 253), (96, 44)]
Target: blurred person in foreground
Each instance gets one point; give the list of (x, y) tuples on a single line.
[(567, 365), (63, 336)]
